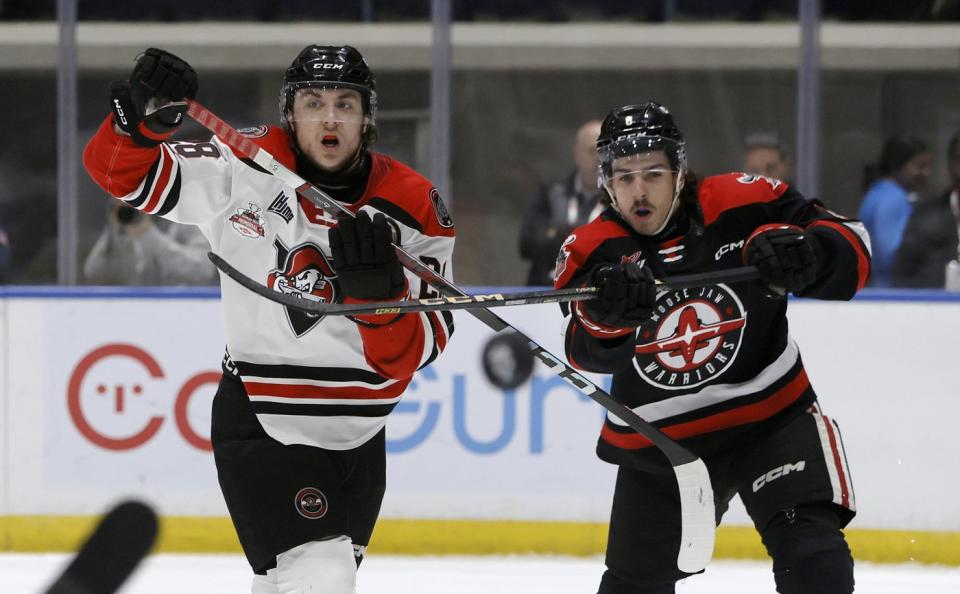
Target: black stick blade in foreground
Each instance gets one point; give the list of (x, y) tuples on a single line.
[(108, 557)]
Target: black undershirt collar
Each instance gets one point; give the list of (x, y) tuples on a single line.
[(344, 185)]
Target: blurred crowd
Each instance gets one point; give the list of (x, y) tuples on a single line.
[(908, 199)]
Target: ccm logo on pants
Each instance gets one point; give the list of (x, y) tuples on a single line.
[(776, 473)]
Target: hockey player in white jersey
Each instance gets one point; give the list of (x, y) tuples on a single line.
[(298, 419)]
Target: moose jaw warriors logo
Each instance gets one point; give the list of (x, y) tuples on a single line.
[(692, 338), (303, 272)]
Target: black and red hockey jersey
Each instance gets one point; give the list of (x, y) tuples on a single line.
[(315, 380), (714, 365)]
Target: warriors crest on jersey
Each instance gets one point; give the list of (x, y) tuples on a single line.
[(303, 272), (692, 338)]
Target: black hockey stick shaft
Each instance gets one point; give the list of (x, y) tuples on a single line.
[(400, 307), (111, 553), (696, 492), (465, 301)]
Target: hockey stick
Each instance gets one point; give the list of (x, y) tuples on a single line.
[(698, 528), (120, 541), (465, 301)]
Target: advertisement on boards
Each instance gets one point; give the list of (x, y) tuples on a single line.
[(121, 391)]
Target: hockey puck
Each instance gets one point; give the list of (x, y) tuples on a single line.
[(507, 360)]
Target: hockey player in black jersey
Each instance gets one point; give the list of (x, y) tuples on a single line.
[(713, 367), (298, 419)]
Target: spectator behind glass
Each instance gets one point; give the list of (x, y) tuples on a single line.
[(560, 208), (932, 238), (765, 155), (132, 250), (904, 168)]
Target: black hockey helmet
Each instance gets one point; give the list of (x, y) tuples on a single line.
[(636, 129), (329, 65)]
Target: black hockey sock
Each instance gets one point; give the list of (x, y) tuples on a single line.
[(809, 551)]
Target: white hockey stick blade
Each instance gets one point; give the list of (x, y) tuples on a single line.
[(697, 513)]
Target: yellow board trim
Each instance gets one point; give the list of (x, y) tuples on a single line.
[(180, 534)]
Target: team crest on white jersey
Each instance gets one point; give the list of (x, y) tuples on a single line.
[(248, 222), (693, 337), (303, 272)]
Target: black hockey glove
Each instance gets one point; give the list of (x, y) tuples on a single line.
[(364, 259), (626, 295), (785, 256), (150, 106)]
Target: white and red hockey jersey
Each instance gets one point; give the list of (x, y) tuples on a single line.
[(325, 381)]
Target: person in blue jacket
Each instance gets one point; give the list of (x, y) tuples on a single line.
[(905, 165)]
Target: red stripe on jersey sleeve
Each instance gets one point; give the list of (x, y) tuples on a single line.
[(572, 329), (439, 330), (743, 415), (863, 263), (162, 179), (115, 162)]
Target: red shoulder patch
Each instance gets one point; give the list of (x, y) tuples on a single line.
[(578, 246), (720, 193)]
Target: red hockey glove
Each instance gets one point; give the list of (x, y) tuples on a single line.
[(150, 106), (625, 299), (785, 256), (364, 259)]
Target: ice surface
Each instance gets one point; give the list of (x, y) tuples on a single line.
[(229, 574)]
